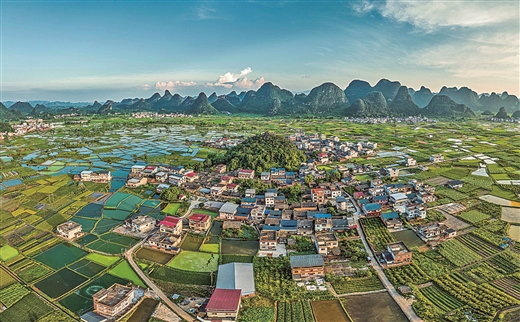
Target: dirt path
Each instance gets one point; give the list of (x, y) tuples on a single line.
[(405, 306), (183, 314)]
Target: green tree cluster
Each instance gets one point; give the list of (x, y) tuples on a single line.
[(261, 153)]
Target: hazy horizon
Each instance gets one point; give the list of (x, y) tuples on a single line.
[(88, 50)]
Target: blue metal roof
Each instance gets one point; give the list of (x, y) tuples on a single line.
[(372, 207)]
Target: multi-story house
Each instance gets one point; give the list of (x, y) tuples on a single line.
[(114, 300), (268, 240), (246, 174), (318, 195), (397, 253), (327, 245), (143, 224), (307, 267), (70, 230), (437, 158), (199, 223), (322, 223), (171, 225)]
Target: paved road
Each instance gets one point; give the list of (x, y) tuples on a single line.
[(183, 314), (405, 306), (190, 208)]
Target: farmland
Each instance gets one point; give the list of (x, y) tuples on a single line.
[(458, 253), (377, 234), (465, 271), (294, 311)]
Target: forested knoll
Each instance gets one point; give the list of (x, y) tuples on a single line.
[(261, 153)]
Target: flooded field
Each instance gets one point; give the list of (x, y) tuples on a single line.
[(379, 307), (326, 311)]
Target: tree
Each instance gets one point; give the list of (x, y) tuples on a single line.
[(171, 194), (308, 179)]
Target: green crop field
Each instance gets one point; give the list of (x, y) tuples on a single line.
[(60, 283), (86, 267), (7, 252), (123, 270), (153, 255), (60, 255), (26, 309), (195, 261), (103, 259), (172, 208)]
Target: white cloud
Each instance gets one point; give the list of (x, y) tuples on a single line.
[(239, 81), (204, 12), (145, 87), (170, 85), (431, 15)]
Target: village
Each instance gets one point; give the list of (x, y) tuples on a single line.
[(329, 211), (150, 222)]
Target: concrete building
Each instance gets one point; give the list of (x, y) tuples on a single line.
[(70, 230), (164, 242), (171, 225), (224, 304), (143, 224), (98, 177), (307, 267), (114, 300), (397, 253), (199, 223), (228, 211)]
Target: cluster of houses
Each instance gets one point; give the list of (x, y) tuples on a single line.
[(142, 115), (332, 149), (382, 120), (407, 199), (94, 176), (27, 126)]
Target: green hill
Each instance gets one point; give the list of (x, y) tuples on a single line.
[(403, 104), (201, 106), (443, 106)]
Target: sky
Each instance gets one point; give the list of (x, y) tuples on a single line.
[(98, 50)]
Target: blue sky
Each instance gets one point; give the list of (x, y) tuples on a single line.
[(98, 50)]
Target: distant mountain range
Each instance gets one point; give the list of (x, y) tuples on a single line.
[(359, 99)]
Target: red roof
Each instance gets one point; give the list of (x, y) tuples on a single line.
[(199, 217), (191, 174), (246, 170), (151, 167), (232, 185), (170, 221), (224, 300), (225, 178)]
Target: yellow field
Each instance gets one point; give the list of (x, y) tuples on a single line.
[(514, 232), (31, 191), (42, 182), (48, 189), (18, 212)]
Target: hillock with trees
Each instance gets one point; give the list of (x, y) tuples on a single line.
[(261, 153)]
